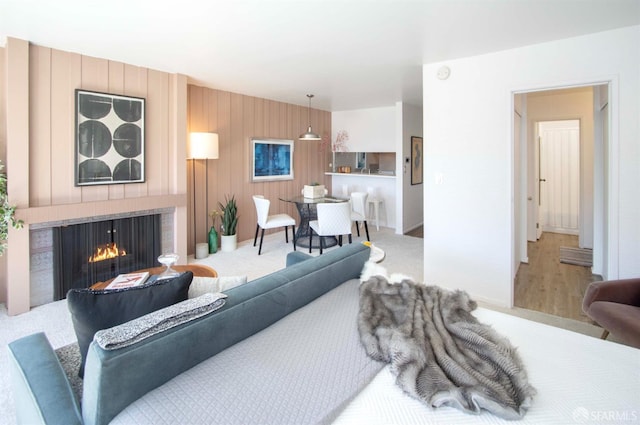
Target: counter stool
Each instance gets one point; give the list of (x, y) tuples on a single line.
[(374, 201)]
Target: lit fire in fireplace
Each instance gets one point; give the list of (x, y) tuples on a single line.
[(106, 252)]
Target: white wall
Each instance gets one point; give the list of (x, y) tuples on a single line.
[(600, 176), (370, 130), (519, 225), (388, 129), (469, 218)]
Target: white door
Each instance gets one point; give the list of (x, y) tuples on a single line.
[(559, 179)]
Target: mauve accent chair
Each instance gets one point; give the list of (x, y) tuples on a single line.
[(615, 305)]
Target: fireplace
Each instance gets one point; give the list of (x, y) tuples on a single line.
[(86, 253)]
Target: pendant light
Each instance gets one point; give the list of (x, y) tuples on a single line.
[(309, 135)]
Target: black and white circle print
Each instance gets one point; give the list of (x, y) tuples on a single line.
[(127, 140), (127, 169), (110, 139), (93, 170), (128, 110), (94, 139), (94, 106)]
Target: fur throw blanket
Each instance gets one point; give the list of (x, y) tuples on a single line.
[(438, 351)]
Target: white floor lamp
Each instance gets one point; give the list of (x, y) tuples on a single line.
[(201, 146)]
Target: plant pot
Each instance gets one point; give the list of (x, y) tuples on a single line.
[(313, 191), (228, 243), (213, 240)]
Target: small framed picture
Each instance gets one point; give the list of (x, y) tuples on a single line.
[(272, 159), (361, 160), (417, 158), (109, 138)]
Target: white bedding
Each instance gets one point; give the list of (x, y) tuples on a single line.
[(286, 374), (579, 379)]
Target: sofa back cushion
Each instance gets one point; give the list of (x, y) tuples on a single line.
[(92, 311)]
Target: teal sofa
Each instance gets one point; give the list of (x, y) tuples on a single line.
[(114, 379)]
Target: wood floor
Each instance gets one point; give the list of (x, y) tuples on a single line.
[(418, 232), (545, 284), (549, 286)]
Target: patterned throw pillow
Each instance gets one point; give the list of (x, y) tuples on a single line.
[(92, 311), (202, 285)]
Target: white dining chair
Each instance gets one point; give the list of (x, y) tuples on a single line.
[(266, 221), (375, 202), (359, 211), (334, 219)]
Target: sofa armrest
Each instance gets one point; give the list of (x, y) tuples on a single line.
[(41, 390), (623, 291), (296, 257)]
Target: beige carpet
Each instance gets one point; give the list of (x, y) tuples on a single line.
[(403, 254)]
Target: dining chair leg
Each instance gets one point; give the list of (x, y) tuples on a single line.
[(358, 228), (255, 239), (261, 237), (366, 229), (349, 238), (286, 234), (321, 244), (339, 240), (311, 240), (293, 235)]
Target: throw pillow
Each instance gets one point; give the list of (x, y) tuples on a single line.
[(203, 285), (92, 311)]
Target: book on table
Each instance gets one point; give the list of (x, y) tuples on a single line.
[(128, 280)]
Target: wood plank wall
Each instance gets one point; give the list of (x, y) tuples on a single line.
[(237, 118), (3, 157), (54, 76), (38, 142)]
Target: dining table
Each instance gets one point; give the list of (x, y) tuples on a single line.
[(308, 212)]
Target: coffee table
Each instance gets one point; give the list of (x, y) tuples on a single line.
[(197, 270)]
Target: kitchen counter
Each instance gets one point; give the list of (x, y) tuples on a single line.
[(383, 185), (375, 175)]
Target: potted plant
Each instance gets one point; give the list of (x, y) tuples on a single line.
[(229, 237), (314, 190), (7, 212)]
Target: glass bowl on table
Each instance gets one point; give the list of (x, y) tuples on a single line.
[(168, 260)]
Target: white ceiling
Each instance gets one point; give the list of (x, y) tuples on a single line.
[(351, 54)]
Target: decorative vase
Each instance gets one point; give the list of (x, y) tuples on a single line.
[(316, 191), (213, 240), (228, 243)]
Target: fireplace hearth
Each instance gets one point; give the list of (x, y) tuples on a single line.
[(86, 253)]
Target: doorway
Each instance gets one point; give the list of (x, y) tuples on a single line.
[(556, 185), (558, 165)]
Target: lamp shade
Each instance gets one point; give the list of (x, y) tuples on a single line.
[(203, 146), (309, 135)]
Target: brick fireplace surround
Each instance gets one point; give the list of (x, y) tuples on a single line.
[(42, 266), (29, 262)]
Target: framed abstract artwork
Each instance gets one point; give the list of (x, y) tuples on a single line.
[(417, 158), (271, 159), (109, 138)]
